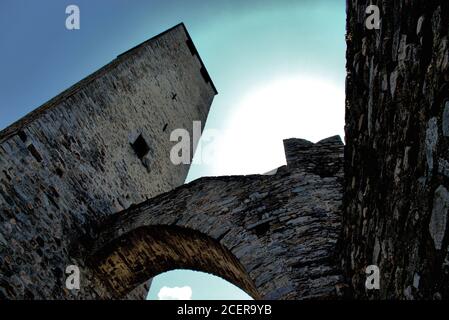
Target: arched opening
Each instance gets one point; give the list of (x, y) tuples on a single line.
[(143, 253), (184, 284)]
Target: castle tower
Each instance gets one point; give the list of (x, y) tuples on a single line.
[(92, 151)]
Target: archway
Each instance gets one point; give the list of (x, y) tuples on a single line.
[(184, 284), (273, 236)]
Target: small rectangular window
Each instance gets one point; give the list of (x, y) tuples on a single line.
[(191, 47), (140, 147)]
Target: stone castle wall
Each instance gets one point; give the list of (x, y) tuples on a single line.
[(397, 149), (69, 175), (274, 236)]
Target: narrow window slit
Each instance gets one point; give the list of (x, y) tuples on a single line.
[(191, 47), (35, 153), (22, 135), (205, 75)]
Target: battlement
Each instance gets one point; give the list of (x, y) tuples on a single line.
[(324, 158)]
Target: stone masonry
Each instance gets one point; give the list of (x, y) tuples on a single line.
[(396, 195), (86, 179), (272, 235), (94, 150)]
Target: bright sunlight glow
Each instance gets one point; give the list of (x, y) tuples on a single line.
[(296, 107)]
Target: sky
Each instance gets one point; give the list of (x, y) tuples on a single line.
[(278, 65)]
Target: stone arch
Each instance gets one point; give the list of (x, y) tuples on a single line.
[(145, 252), (278, 232)]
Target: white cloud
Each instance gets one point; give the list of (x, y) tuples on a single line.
[(176, 293)]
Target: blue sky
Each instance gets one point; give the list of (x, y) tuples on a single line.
[(279, 67)]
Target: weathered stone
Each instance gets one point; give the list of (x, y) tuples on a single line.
[(416, 279), (70, 164), (3, 240), (68, 171), (419, 25), (293, 225), (446, 119), (405, 213), (431, 142), (393, 81), (438, 219)]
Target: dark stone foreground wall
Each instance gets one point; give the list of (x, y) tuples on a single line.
[(70, 164), (397, 153)]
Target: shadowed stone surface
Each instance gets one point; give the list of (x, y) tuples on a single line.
[(397, 151), (148, 251)]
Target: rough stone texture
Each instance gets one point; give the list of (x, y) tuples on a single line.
[(75, 174), (438, 220), (396, 158), (272, 235), (68, 165), (67, 172)]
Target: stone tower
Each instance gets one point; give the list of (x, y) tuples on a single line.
[(96, 149)]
